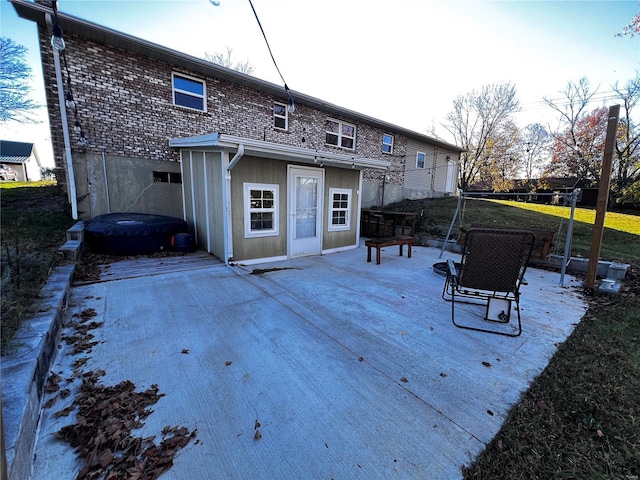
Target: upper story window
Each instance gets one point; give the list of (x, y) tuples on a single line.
[(340, 134), (387, 143), (260, 210), (421, 158), (280, 116), (339, 209), (189, 92)]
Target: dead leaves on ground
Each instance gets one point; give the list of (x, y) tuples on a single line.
[(257, 435), (102, 434), (107, 415)]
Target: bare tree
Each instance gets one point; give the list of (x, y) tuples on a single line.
[(627, 165), (568, 148), (226, 60), (534, 148), (579, 143), (14, 83), (478, 123)]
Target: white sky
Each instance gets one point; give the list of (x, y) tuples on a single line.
[(401, 61)]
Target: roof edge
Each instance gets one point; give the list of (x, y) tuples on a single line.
[(35, 12)]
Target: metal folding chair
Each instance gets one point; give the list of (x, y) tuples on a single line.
[(490, 273)]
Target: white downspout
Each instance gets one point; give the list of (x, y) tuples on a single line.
[(236, 158), (228, 239), (71, 178)]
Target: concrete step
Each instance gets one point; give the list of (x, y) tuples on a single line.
[(72, 248), (76, 232)]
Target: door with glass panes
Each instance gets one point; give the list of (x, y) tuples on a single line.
[(305, 187)]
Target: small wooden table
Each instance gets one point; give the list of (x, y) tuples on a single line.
[(379, 243)]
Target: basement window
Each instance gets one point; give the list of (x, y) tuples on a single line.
[(189, 92), (167, 177), (260, 210)]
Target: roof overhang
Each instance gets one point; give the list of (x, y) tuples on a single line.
[(276, 151)]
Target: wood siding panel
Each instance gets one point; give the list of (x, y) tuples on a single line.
[(340, 178), (258, 170)]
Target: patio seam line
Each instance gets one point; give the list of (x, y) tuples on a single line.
[(424, 401)]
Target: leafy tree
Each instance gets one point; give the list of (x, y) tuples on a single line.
[(226, 60), (578, 145), (569, 155), (577, 151), (479, 123), (633, 28), (14, 83)]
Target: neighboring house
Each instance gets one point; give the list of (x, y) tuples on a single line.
[(172, 134), (22, 157)]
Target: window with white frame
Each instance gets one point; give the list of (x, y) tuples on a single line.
[(421, 158), (387, 143), (339, 209), (280, 116), (340, 134), (189, 92), (260, 210)]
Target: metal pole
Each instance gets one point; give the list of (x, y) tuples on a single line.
[(569, 237), (453, 220)]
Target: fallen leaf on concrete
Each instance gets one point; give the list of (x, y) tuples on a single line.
[(404, 379), (64, 412), (486, 364), (185, 351), (258, 435)]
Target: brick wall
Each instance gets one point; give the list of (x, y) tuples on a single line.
[(124, 104)]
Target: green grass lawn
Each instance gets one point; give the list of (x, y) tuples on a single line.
[(620, 240)]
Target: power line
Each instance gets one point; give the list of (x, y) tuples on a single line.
[(286, 88)]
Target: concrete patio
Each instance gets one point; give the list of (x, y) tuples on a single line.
[(354, 370)]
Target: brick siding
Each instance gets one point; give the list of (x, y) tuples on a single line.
[(125, 104)]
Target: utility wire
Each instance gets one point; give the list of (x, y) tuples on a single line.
[(271, 53)]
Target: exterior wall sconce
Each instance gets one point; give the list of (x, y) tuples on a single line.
[(57, 41)]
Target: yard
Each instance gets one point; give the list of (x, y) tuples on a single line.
[(579, 418)]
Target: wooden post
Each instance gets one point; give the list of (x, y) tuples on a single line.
[(603, 195)]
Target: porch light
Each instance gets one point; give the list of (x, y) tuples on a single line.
[(57, 41), (69, 101), (77, 128), (83, 141), (290, 105)]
